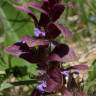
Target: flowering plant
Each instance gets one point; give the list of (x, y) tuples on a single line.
[(49, 55)]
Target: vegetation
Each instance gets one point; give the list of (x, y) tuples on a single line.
[(73, 22)]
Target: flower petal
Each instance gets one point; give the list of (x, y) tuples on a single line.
[(65, 72), (42, 86), (39, 33)]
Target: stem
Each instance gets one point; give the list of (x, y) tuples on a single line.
[(9, 61)]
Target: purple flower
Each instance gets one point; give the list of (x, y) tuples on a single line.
[(41, 86), (66, 73), (38, 32)]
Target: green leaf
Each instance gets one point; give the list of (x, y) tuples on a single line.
[(16, 24), (5, 85), (26, 82)]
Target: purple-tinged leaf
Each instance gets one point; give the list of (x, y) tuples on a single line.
[(32, 55), (52, 3), (35, 55), (28, 11), (54, 57), (64, 30), (31, 42), (54, 81), (55, 73), (56, 11), (82, 94), (37, 6), (52, 85), (45, 6), (71, 56), (26, 7), (44, 19), (62, 57), (61, 50), (52, 31), (67, 93), (80, 67), (13, 50)]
